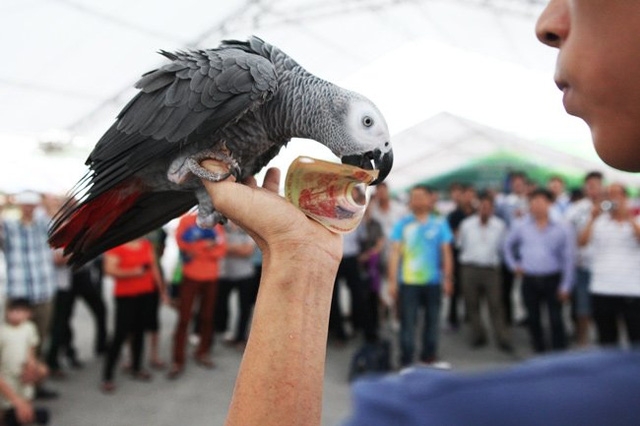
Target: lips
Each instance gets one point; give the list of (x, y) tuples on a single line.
[(567, 96)]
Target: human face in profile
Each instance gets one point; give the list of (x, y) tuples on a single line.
[(598, 70)]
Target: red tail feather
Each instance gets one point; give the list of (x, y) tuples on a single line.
[(90, 221)]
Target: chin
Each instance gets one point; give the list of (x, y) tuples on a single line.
[(620, 156)]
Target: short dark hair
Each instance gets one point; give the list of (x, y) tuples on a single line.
[(559, 178), (485, 196), (541, 192), (518, 174), (18, 303), (424, 187), (593, 175)]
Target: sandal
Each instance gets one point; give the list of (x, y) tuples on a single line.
[(108, 387), (142, 375), (175, 372), (158, 365), (206, 362)]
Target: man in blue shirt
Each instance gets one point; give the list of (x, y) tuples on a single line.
[(421, 245), (546, 260)]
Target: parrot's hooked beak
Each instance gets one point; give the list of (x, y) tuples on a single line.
[(372, 160)]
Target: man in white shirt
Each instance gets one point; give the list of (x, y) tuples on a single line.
[(615, 284), (480, 239), (579, 215)]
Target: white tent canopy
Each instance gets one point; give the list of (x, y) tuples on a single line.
[(446, 142), (69, 65)]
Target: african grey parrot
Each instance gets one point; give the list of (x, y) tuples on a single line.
[(239, 104)]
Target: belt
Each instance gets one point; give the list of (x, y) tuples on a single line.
[(479, 266), (543, 277)]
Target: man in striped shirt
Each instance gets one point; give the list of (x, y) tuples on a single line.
[(29, 260)]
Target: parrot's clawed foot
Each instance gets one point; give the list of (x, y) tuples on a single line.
[(224, 166), (209, 220)]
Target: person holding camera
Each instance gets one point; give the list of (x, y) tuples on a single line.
[(135, 271), (614, 234)]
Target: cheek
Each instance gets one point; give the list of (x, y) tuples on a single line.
[(605, 89)]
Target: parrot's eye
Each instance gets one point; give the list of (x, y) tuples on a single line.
[(367, 121)]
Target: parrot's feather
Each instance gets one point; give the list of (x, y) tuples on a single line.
[(243, 101)]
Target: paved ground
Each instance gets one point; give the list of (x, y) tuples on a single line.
[(201, 396)]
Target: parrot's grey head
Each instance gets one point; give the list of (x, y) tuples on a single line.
[(359, 134)]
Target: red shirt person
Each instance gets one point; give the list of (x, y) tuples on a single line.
[(136, 273)]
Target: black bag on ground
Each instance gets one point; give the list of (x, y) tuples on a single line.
[(371, 358)]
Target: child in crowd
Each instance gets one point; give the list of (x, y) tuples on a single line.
[(20, 370)]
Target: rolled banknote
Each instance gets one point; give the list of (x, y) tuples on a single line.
[(333, 194)]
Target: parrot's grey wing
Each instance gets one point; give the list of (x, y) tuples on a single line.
[(198, 91), (194, 95)]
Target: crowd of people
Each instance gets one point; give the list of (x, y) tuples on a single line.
[(570, 257), (40, 291)]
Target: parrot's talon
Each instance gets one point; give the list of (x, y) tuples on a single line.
[(226, 164)]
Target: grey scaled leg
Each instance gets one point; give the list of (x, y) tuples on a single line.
[(208, 217)]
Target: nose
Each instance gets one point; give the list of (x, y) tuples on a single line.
[(552, 27)]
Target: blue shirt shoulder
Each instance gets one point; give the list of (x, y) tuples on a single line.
[(587, 388)]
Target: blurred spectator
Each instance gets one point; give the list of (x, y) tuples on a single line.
[(30, 269), (236, 273), (348, 272), (421, 247), (465, 207), (579, 215), (19, 368), (157, 238), (136, 273), (511, 207), (86, 283), (200, 251), (561, 199), (614, 235), (387, 212), (371, 242), (480, 239), (546, 263)]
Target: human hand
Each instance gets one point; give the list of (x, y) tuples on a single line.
[(563, 296), (164, 297), (30, 374), (24, 411), (447, 286), (276, 225), (393, 289)]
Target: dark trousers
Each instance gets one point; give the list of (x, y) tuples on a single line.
[(247, 291), (609, 310), (507, 294), (130, 320), (483, 283), (61, 336), (349, 270), (453, 314), (206, 291), (412, 298), (538, 290)]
